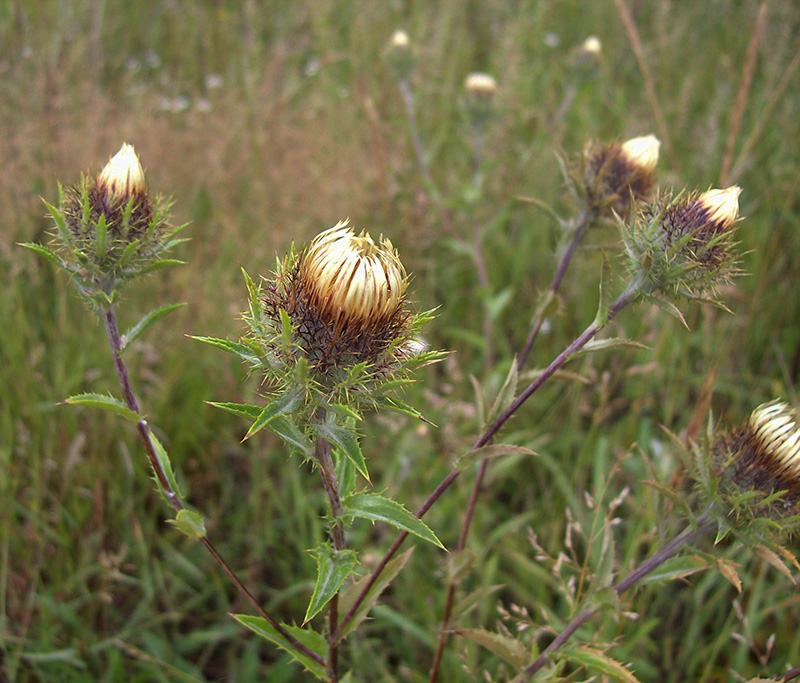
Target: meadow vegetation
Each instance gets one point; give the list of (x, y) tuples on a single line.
[(269, 122)]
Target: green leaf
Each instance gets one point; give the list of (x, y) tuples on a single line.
[(285, 403), (605, 297), (507, 392), (43, 251), (379, 509), (101, 231), (146, 322), (595, 660), (606, 344), (190, 523), (348, 598), (241, 409), (345, 472), (311, 639), (332, 571), (472, 600), (286, 329), (493, 451), (166, 465), (129, 252), (291, 435), (347, 440), (245, 352), (158, 265), (106, 403), (512, 651), (252, 290)]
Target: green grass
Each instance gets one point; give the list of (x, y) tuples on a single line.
[(308, 128)]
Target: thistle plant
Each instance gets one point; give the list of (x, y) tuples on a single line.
[(607, 180), (332, 333), (748, 484)]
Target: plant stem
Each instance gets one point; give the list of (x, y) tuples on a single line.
[(112, 331), (416, 138), (687, 536), (566, 249), (322, 454), (629, 296)]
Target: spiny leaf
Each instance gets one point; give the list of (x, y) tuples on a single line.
[(597, 660), (508, 649), (379, 509), (281, 405), (166, 465), (291, 435), (245, 352), (242, 409), (146, 322), (347, 440), (190, 523), (492, 451), (311, 639), (333, 568), (348, 598), (43, 251), (104, 402)]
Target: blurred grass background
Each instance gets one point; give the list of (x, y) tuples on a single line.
[(269, 122)]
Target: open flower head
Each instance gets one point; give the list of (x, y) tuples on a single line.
[(345, 298), (479, 94), (762, 458), (616, 175)]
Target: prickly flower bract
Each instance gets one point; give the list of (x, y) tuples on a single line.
[(339, 309), (109, 229), (683, 246)]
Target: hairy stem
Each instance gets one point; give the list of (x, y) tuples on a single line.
[(112, 330), (629, 296), (687, 536), (322, 454)]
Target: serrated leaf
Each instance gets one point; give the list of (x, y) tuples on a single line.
[(281, 405), (101, 231), (106, 403), (190, 523), (311, 639), (507, 392), (129, 252), (332, 571), (241, 409), (239, 349), (508, 649), (345, 473), (348, 598), (347, 440), (163, 263), (728, 570), (774, 560), (606, 344), (605, 297), (677, 568), (166, 465), (291, 435), (286, 329), (396, 405), (472, 600), (493, 451), (600, 661), (669, 308), (146, 322), (43, 251), (379, 509)]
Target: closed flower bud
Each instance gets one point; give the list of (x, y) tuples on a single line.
[(122, 177), (480, 85), (400, 40), (615, 174), (345, 298), (399, 55), (763, 456), (479, 93)]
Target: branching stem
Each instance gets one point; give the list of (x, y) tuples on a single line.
[(110, 321)]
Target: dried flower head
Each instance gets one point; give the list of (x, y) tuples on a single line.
[(345, 298), (615, 175), (763, 456)]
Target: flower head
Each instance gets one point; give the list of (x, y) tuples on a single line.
[(685, 244), (479, 84), (616, 174), (400, 40), (479, 93), (763, 456), (345, 298), (399, 55)]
